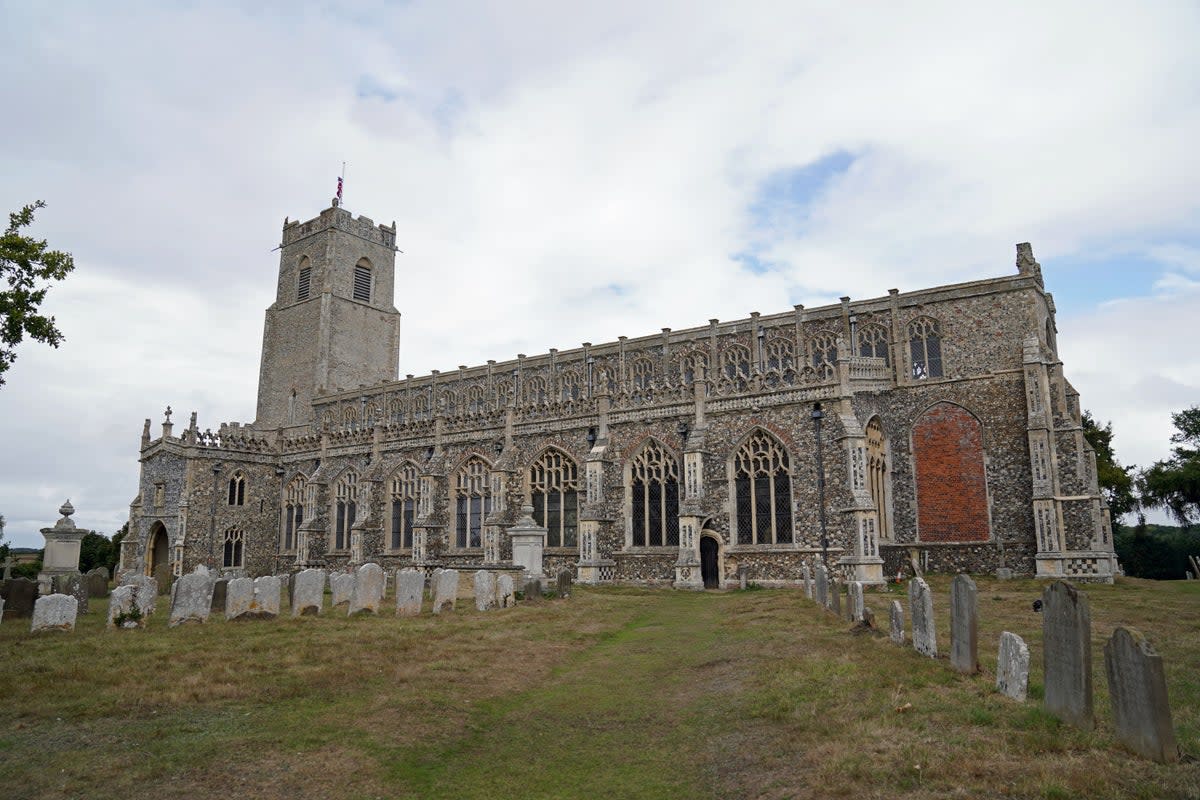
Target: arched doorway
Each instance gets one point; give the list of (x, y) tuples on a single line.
[(710, 552), (157, 548)]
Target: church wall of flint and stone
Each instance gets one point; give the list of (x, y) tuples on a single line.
[(948, 434)]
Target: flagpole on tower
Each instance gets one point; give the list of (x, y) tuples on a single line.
[(343, 178)]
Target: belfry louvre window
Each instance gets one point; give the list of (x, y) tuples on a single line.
[(654, 497), (925, 346), (553, 491), (303, 283), (344, 510), (362, 282), (293, 512), (404, 506), (473, 502), (762, 491), (234, 540), (237, 490)]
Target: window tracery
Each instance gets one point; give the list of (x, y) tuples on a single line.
[(293, 512), (345, 506), (642, 373), (873, 342), (473, 502), (405, 485), (233, 549), (554, 493), (877, 474), (762, 491), (237, 489), (925, 348), (654, 497), (824, 350)]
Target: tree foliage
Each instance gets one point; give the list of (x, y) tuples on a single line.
[(1116, 481), (1174, 484), (1158, 552), (28, 266)]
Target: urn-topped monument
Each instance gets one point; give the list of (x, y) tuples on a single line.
[(62, 548)]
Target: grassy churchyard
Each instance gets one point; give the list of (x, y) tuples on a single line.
[(613, 693)]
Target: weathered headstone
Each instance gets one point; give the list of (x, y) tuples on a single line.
[(806, 576), (341, 588), (54, 612), (97, 582), (504, 590), (191, 600), (1012, 667), (123, 609), (267, 592), (533, 590), (220, 601), (1137, 688), (367, 594), (964, 625), (20, 594), (309, 594), (897, 622), (856, 602), (146, 598), (410, 591), (920, 608), (1, 609), (291, 589), (835, 592), (565, 577), (73, 583), (822, 585), (445, 591), (485, 590), (741, 574), (1067, 654), (239, 595)]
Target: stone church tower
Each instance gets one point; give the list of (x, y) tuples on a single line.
[(333, 324)]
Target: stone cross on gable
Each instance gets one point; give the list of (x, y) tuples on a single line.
[(167, 414)]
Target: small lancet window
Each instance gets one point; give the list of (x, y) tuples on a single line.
[(303, 283), (234, 540), (925, 344), (237, 490), (344, 510), (293, 512), (362, 281)]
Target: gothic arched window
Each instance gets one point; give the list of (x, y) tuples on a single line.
[(293, 512), (473, 502), (925, 347), (553, 491), (421, 407), (504, 393), (475, 400), (344, 507), (735, 362), (449, 402), (877, 474), (779, 354), (237, 489), (405, 486), (642, 373), (569, 383), (654, 497), (762, 491), (234, 542), (824, 350), (873, 342), (535, 391)]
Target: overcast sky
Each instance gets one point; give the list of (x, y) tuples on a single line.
[(568, 172)]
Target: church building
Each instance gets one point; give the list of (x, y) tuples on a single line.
[(932, 428)]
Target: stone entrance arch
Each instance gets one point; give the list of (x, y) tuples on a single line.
[(158, 548), (710, 559)]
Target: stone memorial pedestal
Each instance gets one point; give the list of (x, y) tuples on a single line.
[(62, 549)]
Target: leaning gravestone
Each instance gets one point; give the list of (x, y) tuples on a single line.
[(239, 595), (309, 594), (1137, 688), (410, 591), (1067, 654), (191, 599), (1012, 667), (964, 625), (367, 594), (806, 576), (445, 591), (97, 582), (485, 590), (504, 590), (920, 608), (897, 622), (341, 587), (20, 594), (565, 577), (123, 610), (73, 583), (822, 585), (856, 602), (532, 590), (220, 601), (54, 612)]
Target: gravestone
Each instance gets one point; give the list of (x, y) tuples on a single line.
[(822, 585), (565, 577), (1067, 654), (532, 590), (267, 592), (309, 594), (341, 588), (445, 591), (835, 592), (964, 625), (146, 598), (410, 591), (504, 591), (1137, 688), (291, 589), (162, 575), (897, 622), (239, 595), (367, 592), (20, 594), (191, 599), (72, 583), (97, 582), (123, 608), (54, 612), (920, 608), (806, 576), (1, 609), (485, 590), (856, 602), (220, 601), (1012, 667)]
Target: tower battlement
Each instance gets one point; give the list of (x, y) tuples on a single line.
[(342, 220)]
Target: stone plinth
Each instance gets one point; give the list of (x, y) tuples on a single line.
[(528, 541), (62, 548)]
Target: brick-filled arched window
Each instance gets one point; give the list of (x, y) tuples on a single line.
[(344, 508), (654, 497), (952, 506), (233, 550), (405, 485), (473, 502), (553, 492), (293, 512), (237, 489), (925, 348), (762, 486)]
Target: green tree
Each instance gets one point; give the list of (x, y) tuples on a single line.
[(95, 550), (1174, 484), (28, 266), (1116, 482), (115, 556)]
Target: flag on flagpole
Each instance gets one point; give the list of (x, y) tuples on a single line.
[(339, 192)]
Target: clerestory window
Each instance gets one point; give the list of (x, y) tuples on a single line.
[(925, 347)]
